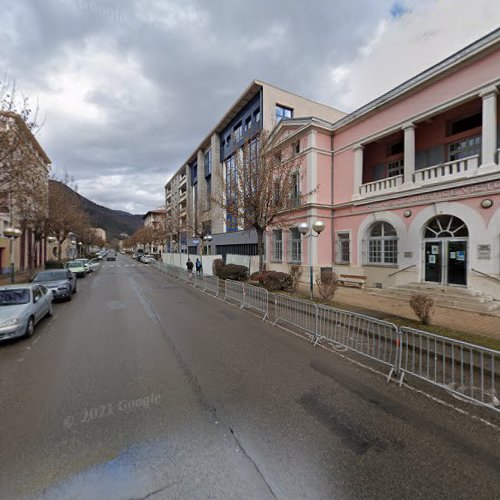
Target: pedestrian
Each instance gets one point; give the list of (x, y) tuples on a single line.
[(189, 266), (198, 267)]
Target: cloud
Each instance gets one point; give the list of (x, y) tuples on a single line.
[(414, 36), (129, 88)]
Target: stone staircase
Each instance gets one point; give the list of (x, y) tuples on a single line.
[(444, 296)]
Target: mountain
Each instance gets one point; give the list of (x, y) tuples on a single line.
[(114, 222)]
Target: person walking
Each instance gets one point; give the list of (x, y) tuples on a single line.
[(189, 266), (198, 267)]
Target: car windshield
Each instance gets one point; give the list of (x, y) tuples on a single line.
[(14, 296), (50, 276), (74, 264)]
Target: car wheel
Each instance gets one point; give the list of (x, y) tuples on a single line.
[(75, 289), (70, 296), (50, 312), (30, 329)]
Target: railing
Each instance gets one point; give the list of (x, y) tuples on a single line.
[(456, 168), (371, 337), (234, 290), (401, 270), (389, 183), (466, 370), (485, 275), (256, 298), (212, 284), (299, 313)]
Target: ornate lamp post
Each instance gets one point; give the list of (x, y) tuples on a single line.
[(207, 239), (80, 246), (317, 228), (12, 233)]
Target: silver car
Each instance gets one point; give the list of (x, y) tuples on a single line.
[(21, 308), (61, 282)]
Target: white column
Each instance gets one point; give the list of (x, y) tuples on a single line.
[(489, 133), (358, 169), (409, 153)]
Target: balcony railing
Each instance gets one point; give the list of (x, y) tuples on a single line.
[(449, 170), (383, 185)]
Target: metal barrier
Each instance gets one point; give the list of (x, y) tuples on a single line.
[(256, 298), (371, 337), (199, 282), (212, 284), (468, 370), (300, 313), (234, 290)]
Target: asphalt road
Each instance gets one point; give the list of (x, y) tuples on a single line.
[(142, 387)]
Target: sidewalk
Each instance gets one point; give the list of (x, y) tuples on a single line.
[(474, 323), (20, 277)]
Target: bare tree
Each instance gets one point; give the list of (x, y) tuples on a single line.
[(262, 186), (65, 214)]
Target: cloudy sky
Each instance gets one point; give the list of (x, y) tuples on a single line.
[(128, 88)]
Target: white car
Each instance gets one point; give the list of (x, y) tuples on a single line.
[(21, 308), (94, 265)]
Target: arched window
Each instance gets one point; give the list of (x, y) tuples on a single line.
[(446, 226), (382, 244)]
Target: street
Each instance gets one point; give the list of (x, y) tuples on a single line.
[(143, 387)]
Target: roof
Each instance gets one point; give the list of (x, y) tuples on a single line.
[(160, 211), (28, 133), (245, 97), (468, 54)]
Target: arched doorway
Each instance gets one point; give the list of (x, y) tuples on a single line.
[(445, 243)]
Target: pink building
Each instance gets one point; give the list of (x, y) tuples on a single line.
[(409, 184)]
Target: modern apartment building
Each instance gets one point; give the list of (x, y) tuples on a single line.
[(189, 192)]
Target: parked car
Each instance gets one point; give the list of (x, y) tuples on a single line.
[(86, 264), (94, 265), (21, 308), (148, 259), (77, 267), (61, 282)]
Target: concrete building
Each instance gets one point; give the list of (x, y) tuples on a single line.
[(23, 195), (188, 193), (409, 184), (155, 219)]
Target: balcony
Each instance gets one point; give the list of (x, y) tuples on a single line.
[(382, 186), (446, 171), (441, 173)]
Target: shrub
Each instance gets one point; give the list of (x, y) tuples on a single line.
[(255, 276), (275, 280), (233, 272), (296, 274), (327, 284), (423, 307), (217, 266), (53, 264)]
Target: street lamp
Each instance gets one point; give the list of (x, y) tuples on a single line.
[(80, 245), (12, 233), (317, 228), (207, 239)]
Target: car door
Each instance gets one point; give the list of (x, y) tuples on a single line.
[(38, 303), (94, 264)]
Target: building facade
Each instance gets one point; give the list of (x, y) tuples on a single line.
[(417, 178), (24, 170), (190, 211)]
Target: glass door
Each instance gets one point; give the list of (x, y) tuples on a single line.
[(456, 256), (433, 261)]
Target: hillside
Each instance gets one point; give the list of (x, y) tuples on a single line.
[(114, 222)]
